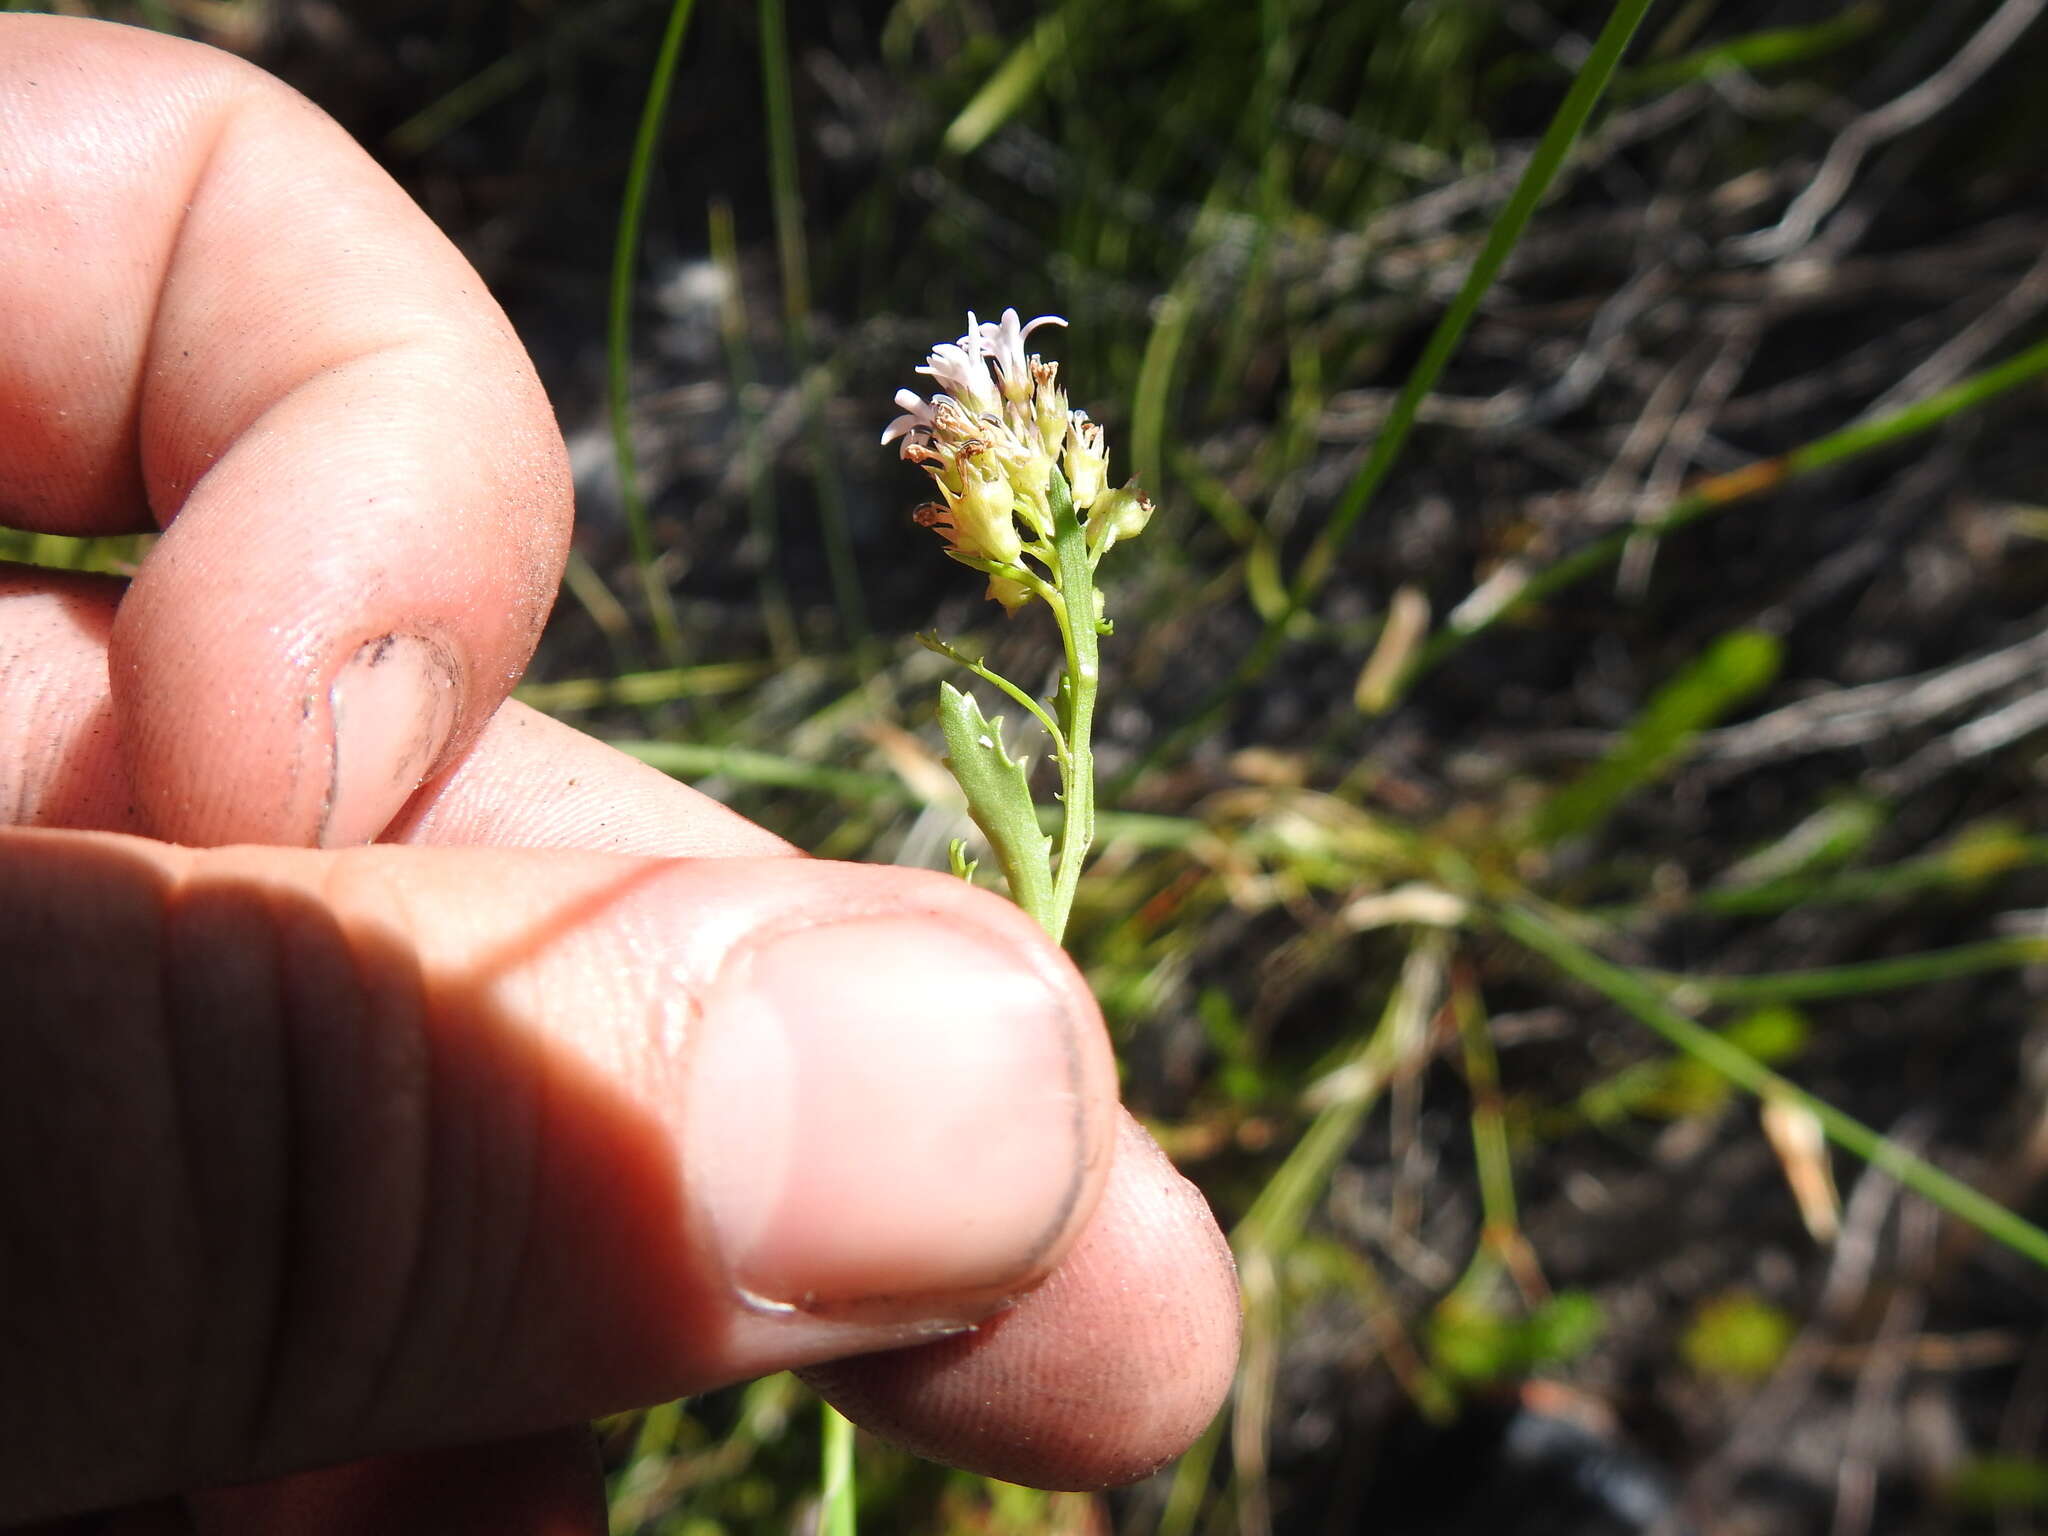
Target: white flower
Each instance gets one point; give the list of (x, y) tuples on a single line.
[(1003, 344), (990, 437), (919, 415), (981, 373), (960, 368)]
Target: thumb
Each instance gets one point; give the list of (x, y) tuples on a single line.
[(306, 1156)]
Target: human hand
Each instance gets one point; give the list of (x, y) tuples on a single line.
[(573, 1092)]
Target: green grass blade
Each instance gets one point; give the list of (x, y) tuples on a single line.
[(1732, 669), (641, 689), (503, 76), (1972, 859), (694, 760), (1768, 48), (1275, 1220), (1865, 976), (1643, 998), (690, 760), (1010, 87), (794, 255), (1549, 158), (838, 1493), (1154, 387), (777, 617), (1587, 87), (1720, 492), (1276, 1216), (619, 332)]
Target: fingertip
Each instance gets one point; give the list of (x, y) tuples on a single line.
[(1099, 1377)]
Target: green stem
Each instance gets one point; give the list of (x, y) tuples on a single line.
[(1492, 1154), (836, 1485), (982, 670), (1076, 614), (1649, 1004), (619, 338)]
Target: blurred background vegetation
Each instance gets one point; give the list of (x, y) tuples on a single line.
[(1664, 714)]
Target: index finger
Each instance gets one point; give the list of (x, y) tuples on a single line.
[(225, 321)]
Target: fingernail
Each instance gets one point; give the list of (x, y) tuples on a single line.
[(886, 1119), (393, 706)]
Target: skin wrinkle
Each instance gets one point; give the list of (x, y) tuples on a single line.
[(267, 1406), (447, 1301), (185, 1418), (497, 1217), (146, 361), (503, 1342), (426, 1208), (242, 1439), (273, 1408), (403, 1081), (506, 980), (279, 1170)]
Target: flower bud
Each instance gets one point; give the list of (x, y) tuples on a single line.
[(1087, 461), (1118, 514), (1049, 405), (1008, 591), (981, 511)]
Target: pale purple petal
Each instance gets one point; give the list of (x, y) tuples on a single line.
[(1003, 342), (917, 414), (964, 375)]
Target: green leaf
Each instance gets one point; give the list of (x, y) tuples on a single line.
[(1733, 668), (1475, 1340), (1774, 1033), (2000, 1483), (1737, 1336), (1772, 48), (957, 860), (1681, 1086), (1011, 87), (1826, 839), (998, 798)]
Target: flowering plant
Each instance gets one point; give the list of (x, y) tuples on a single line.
[(1024, 495)]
